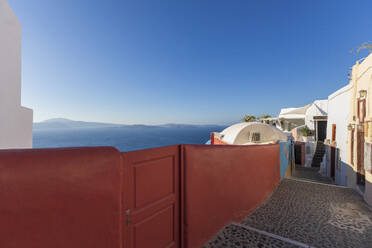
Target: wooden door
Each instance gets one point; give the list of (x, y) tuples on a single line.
[(321, 130), (352, 147), (333, 132), (152, 184), (360, 158), (333, 161), (298, 154)]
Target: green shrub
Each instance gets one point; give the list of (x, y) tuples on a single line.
[(306, 131)]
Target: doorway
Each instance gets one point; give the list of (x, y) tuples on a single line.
[(321, 130), (360, 158), (152, 184), (333, 161), (298, 154)]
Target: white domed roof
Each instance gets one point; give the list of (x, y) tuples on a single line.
[(252, 132)]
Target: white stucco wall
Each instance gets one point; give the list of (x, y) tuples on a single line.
[(303, 115), (241, 133), (317, 108), (15, 120), (338, 113)]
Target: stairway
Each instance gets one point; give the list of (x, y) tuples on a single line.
[(318, 154)]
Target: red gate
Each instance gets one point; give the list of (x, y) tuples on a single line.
[(151, 200)]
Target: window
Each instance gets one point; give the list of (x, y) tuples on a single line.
[(361, 110), (333, 132), (256, 137)]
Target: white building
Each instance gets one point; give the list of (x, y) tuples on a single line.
[(15, 120), (318, 108), (291, 118), (294, 120), (248, 133), (337, 134)]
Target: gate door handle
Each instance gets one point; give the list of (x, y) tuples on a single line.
[(128, 220)]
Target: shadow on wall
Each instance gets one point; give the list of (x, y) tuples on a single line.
[(342, 172), (350, 175), (368, 189)]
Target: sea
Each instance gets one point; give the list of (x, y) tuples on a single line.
[(126, 138)]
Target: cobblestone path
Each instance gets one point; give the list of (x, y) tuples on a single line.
[(312, 214), (310, 173), (237, 236)]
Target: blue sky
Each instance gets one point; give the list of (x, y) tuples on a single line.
[(189, 61)]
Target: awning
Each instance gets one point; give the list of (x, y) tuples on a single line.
[(297, 111)]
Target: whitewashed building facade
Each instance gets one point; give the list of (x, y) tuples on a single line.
[(15, 120), (337, 134)]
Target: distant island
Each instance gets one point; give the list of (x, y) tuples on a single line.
[(63, 123)]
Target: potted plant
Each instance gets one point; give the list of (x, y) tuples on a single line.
[(306, 132)]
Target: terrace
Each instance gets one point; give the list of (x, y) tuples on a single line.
[(175, 196)]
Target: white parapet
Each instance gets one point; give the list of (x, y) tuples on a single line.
[(15, 120)]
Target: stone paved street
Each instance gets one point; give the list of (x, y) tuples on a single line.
[(310, 174), (237, 237), (314, 214)]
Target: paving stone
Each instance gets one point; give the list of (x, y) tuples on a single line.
[(234, 236), (310, 173), (320, 215), (315, 214)]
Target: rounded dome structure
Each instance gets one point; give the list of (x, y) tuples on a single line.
[(251, 133)]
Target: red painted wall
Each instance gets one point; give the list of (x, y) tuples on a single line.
[(60, 198), (217, 141), (224, 184), (74, 197)]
